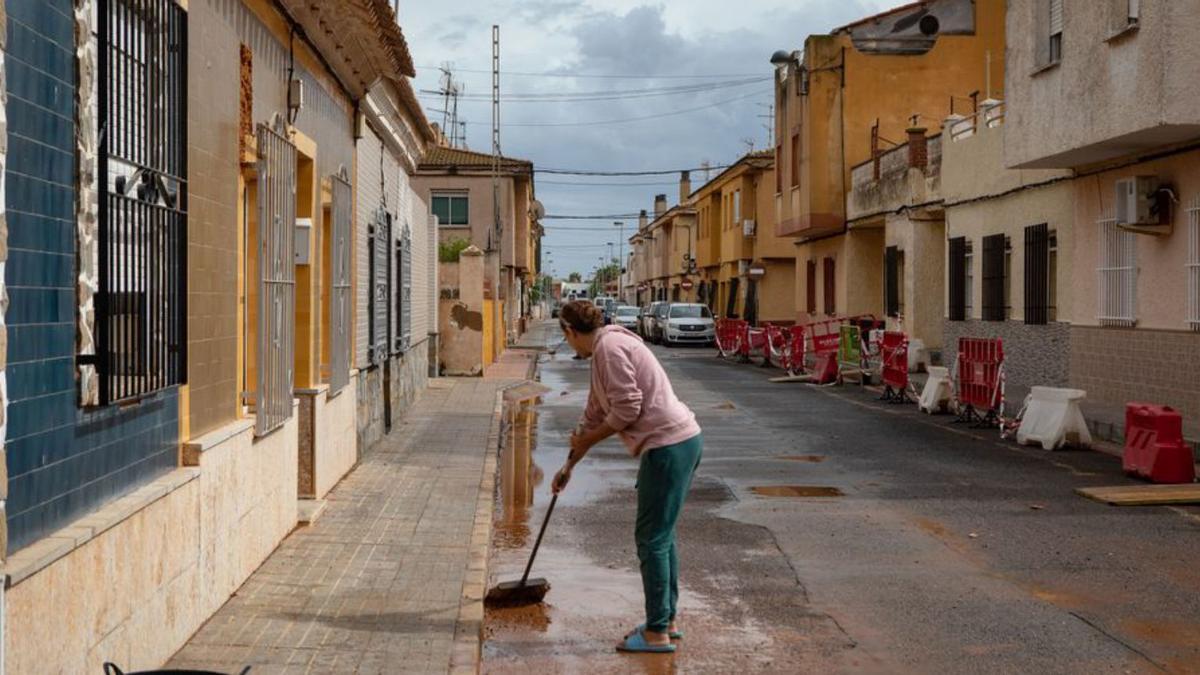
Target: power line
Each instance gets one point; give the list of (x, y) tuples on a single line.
[(586, 184), (592, 123), (609, 95), (651, 172), (641, 76), (577, 217)]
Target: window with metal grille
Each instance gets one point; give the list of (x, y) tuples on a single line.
[(957, 268), (810, 282), (830, 295), (993, 278), (403, 295), (1117, 274), (891, 281), (379, 260), (142, 173), (1193, 264), (451, 209), (1037, 274), (341, 286), (276, 301)]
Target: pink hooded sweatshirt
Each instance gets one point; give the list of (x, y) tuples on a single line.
[(631, 393)]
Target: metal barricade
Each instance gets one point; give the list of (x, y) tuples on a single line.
[(731, 338), (894, 350), (979, 380)]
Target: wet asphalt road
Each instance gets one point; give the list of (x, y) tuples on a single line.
[(949, 551)]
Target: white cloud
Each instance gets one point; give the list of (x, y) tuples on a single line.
[(615, 37)]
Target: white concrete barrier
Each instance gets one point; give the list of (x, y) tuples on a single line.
[(935, 397), (1053, 419)]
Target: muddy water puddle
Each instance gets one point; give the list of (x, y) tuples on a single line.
[(593, 599), (796, 491)]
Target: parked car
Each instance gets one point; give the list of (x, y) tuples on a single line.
[(687, 323), (626, 316), (659, 320), (646, 324)]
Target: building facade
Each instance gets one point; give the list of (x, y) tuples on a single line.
[(1086, 94), (668, 244), (744, 267), (843, 99), (1008, 267), (395, 261), (457, 186), (177, 382)]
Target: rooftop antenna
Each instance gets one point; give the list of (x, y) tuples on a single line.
[(769, 125)]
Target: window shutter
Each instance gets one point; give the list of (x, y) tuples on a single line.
[(811, 287), (993, 278), (830, 291), (958, 279), (380, 268), (1037, 274), (891, 281), (1056, 17)]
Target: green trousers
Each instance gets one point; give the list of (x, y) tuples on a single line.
[(663, 480)]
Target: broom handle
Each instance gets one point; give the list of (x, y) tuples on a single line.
[(536, 544)]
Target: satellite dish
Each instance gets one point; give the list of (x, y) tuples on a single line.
[(537, 211)]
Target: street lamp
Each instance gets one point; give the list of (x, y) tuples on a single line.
[(620, 257)]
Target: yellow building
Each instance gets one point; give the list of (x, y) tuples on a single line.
[(843, 99), (666, 247), (744, 267)]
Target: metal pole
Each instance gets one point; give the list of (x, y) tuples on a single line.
[(498, 228), (620, 259)]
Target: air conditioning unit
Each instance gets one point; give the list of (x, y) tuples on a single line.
[(1135, 197), (749, 227)]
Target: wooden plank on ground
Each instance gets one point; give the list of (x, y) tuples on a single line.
[(792, 378), (1144, 495)]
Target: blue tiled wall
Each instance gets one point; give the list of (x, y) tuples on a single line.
[(62, 460)]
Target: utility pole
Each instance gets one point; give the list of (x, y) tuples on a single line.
[(497, 226), (620, 258)]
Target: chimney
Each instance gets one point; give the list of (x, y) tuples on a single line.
[(918, 153), (643, 220), (660, 205), (685, 186)]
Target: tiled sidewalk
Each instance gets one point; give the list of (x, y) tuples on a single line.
[(376, 585)]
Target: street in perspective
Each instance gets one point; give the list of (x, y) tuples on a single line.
[(599, 336)]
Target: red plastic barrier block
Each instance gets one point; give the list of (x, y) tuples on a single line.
[(826, 368), (1154, 446)]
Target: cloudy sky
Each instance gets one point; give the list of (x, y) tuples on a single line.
[(618, 85)]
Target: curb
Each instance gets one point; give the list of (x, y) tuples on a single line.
[(467, 654)]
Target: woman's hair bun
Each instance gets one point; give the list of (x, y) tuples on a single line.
[(581, 315)]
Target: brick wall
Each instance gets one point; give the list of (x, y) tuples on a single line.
[(62, 460), (1117, 365), (1033, 355)]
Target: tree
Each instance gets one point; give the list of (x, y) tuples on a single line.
[(574, 278)]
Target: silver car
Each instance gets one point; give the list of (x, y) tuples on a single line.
[(626, 316), (687, 323), (646, 326)]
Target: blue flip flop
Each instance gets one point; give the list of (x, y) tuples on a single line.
[(637, 643), (674, 635)]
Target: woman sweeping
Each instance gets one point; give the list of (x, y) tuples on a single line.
[(631, 396)]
